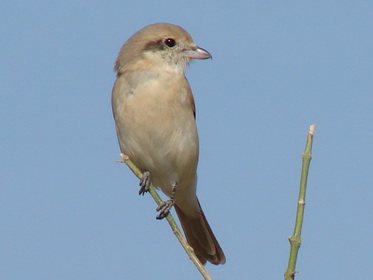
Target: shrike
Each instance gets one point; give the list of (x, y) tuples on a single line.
[(154, 114)]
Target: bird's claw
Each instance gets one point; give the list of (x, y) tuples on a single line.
[(144, 183), (164, 208)]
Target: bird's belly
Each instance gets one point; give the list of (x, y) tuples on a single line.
[(163, 140)]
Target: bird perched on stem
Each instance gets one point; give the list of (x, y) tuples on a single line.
[(154, 114)]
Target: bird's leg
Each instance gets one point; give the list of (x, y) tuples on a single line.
[(144, 183), (166, 206)]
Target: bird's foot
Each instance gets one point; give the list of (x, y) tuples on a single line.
[(144, 183), (165, 207)]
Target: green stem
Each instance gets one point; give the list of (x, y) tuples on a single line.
[(295, 239), (175, 229)]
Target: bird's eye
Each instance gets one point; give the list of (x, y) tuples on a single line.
[(170, 42)]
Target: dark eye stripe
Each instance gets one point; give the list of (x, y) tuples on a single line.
[(160, 45), (154, 45)]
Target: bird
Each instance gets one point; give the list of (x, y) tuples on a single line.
[(155, 121)]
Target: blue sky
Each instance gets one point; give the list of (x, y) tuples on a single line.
[(68, 211)]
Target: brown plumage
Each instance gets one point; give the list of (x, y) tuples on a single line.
[(154, 113)]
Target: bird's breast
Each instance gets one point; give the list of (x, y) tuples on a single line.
[(156, 127)]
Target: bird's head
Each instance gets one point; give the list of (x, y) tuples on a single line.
[(162, 45)]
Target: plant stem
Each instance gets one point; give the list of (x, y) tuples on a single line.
[(295, 239)]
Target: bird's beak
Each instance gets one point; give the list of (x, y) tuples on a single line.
[(197, 53)]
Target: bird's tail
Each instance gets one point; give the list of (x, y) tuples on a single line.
[(200, 236)]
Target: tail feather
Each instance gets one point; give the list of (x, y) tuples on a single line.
[(200, 236)]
